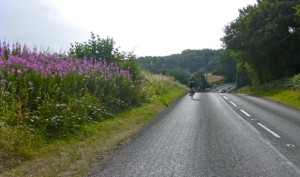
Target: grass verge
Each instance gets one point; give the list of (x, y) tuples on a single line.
[(287, 97), (73, 156), (285, 91)]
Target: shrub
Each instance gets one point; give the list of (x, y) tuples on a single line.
[(56, 95)]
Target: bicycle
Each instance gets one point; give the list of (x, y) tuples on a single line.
[(192, 92)]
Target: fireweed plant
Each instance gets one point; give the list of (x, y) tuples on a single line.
[(55, 95)]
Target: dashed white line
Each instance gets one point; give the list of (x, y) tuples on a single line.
[(270, 131), (260, 124), (245, 113), (233, 104)]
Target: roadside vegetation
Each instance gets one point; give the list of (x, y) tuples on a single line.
[(57, 111), (74, 155), (182, 66), (264, 41), (285, 91), (53, 103)]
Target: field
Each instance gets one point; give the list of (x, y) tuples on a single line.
[(213, 78)]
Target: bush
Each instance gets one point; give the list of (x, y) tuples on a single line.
[(56, 95)]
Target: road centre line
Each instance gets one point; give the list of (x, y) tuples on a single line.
[(270, 131), (236, 106), (233, 104), (245, 113), (260, 124)]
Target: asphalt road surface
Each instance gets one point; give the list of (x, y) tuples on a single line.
[(212, 135)]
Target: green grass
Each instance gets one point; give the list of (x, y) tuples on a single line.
[(72, 156), (284, 96), (285, 91)]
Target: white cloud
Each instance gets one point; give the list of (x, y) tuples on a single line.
[(149, 27), (37, 24)]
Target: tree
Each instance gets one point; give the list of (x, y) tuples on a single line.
[(103, 49), (188, 60), (201, 81), (97, 49), (178, 74), (298, 9), (227, 66), (261, 39)]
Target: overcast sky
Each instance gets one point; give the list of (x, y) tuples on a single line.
[(146, 27)]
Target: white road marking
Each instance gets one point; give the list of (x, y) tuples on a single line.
[(290, 145), (233, 104), (245, 113), (225, 97), (270, 131)]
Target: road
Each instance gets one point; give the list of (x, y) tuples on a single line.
[(212, 135)]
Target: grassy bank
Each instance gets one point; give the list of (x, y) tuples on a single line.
[(74, 155), (286, 97), (46, 97), (285, 91)]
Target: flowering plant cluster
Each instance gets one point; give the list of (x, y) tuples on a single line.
[(56, 94), (19, 60)]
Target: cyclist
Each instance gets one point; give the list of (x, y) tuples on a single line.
[(192, 84)]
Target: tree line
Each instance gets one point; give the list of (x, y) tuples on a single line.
[(180, 66), (265, 41), (189, 60), (197, 62), (261, 45)]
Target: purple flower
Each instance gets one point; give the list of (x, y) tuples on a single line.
[(51, 65)]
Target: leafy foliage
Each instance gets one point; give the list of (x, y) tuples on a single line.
[(55, 95), (201, 80), (20, 143), (265, 40), (205, 60), (227, 66), (46, 97), (177, 73), (95, 48), (284, 90), (298, 9), (291, 83), (181, 66), (99, 49)]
